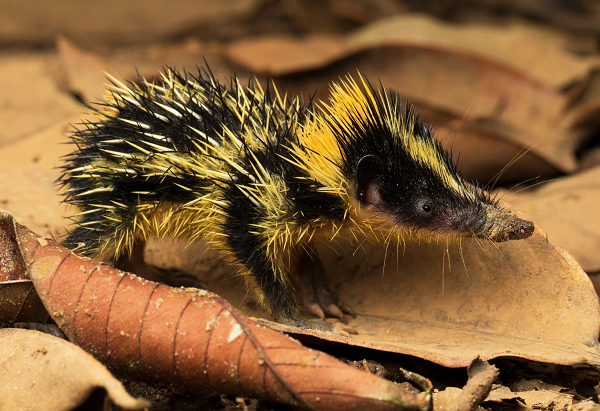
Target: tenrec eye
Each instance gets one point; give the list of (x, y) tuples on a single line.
[(427, 208)]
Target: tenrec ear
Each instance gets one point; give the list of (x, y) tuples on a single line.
[(369, 176)]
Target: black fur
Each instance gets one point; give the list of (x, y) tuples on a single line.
[(249, 249), (409, 191)]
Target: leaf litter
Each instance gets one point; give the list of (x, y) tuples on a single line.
[(491, 121)]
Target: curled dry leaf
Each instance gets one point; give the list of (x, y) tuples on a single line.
[(111, 23), (490, 88), (484, 155), (41, 372), (154, 332), (277, 55), (524, 299), (567, 209), (479, 92), (537, 50), (19, 301)]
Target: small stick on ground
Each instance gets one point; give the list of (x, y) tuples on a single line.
[(481, 377)]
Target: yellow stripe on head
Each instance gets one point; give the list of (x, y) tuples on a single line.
[(355, 104)]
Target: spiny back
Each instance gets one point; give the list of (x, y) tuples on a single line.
[(175, 132)]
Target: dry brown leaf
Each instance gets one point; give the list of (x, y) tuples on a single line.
[(532, 399), (584, 406), (474, 90), (114, 21), (483, 154), (535, 385), (591, 158), (276, 55), (581, 16), (467, 82), (28, 171), (150, 331), (537, 50), (567, 209), (30, 98), (19, 302), (524, 299), (85, 71), (41, 372), (442, 398)]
